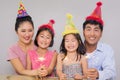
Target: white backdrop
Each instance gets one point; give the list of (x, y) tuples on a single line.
[(43, 10)]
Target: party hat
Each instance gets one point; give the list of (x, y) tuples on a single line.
[(69, 27), (96, 14), (21, 10), (49, 25)]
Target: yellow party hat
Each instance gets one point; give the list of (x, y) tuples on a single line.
[(70, 27)]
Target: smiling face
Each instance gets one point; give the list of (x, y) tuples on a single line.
[(92, 34), (71, 43), (25, 32), (44, 39)]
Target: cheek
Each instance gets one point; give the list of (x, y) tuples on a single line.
[(31, 33), (76, 44), (99, 34), (20, 35), (49, 41), (85, 34), (38, 39)]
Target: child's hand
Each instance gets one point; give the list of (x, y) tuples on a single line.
[(77, 76), (62, 77), (42, 71)]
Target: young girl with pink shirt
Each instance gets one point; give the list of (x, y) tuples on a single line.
[(42, 58)]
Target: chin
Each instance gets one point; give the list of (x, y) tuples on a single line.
[(27, 42)]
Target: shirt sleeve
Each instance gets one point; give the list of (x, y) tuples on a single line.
[(108, 66), (11, 54)]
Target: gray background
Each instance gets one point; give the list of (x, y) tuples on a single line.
[(43, 10)]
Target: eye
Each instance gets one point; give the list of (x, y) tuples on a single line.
[(66, 40), (97, 29), (73, 40), (30, 30), (41, 36), (88, 29), (23, 31), (48, 37)]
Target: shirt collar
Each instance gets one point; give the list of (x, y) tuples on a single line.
[(99, 47)]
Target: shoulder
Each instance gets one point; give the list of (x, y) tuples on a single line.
[(52, 52), (83, 57), (104, 46), (14, 47), (31, 52), (13, 52)]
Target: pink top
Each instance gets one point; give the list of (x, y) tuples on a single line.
[(38, 61), (16, 52)]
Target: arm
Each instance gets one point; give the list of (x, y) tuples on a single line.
[(20, 69), (14, 59), (84, 65), (53, 63), (28, 62), (59, 72), (108, 66)]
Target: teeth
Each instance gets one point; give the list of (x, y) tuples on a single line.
[(70, 47), (92, 38)]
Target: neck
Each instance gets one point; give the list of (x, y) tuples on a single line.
[(25, 47), (90, 48), (71, 53), (42, 50), (25, 44)]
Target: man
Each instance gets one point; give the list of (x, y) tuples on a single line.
[(101, 64)]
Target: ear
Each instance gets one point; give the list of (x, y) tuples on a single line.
[(101, 33), (16, 32)]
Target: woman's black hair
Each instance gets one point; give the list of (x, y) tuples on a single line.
[(44, 29), (81, 48), (20, 20), (94, 22)]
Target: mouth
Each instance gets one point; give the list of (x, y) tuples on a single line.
[(70, 47), (27, 38)]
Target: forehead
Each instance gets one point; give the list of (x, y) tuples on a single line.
[(25, 25), (45, 32), (70, 36), (92, 26)]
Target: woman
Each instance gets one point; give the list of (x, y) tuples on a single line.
[(17, 56)]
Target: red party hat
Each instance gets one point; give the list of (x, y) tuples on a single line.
[(96, 14), (49, 25)]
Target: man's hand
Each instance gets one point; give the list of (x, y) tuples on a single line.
[(92, 73)]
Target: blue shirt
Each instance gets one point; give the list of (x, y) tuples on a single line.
[(103, 60)]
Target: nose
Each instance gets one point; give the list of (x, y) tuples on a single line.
[(44, 38), (27, 33), (91, 32)]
